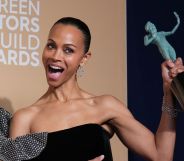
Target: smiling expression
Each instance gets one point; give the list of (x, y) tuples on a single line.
[(63, 54)]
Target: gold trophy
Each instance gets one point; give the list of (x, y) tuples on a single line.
[(168, 53)]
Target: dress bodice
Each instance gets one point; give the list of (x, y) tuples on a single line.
[(80, 143)]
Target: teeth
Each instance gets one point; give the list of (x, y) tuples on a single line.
[(55, 67)]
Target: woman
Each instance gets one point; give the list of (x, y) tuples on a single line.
[(69, 114)]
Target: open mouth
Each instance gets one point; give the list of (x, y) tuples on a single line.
[(55, 69)]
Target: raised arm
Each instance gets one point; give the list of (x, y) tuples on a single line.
[(138, 138), (153, 147)]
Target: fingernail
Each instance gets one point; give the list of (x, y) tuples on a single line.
[(102, 157)]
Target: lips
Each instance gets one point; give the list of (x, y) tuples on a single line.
[(54, 72), (55, 69)]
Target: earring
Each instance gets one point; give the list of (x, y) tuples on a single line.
[(80, 71)]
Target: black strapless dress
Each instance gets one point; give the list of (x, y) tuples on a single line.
[(80, 143)]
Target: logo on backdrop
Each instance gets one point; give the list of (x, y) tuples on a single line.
[(19, 32)]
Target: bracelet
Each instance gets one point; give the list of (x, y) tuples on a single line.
[(171, 110)]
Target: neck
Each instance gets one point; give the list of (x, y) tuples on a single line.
[(66, 92)]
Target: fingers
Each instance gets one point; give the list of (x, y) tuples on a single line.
[(177, 68), (171, 69), (166, 67), (100, 158), (178, 61), (168, 64), (175, 71)]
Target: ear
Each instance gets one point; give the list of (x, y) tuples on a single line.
[(85, 58)]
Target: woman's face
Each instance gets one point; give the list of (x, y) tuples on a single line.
[(63, 54)]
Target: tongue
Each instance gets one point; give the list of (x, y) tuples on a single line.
[(54, 76)]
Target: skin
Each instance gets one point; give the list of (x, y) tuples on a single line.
[(98, 158), (66, 105)]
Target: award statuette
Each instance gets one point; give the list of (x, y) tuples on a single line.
[(168, 53)]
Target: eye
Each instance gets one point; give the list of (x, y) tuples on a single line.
[(68, 50), (51, 46)]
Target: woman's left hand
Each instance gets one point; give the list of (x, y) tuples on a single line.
[(170, 70), (177, 68)]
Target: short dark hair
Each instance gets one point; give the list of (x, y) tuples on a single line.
[(81, 26)]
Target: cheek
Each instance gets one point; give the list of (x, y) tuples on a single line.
[(73, 62)]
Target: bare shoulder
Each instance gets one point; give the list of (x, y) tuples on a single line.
[(110, 101), (25, 113), (114, 105), (21, 120)]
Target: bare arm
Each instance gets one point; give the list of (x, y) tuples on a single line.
[(134, 135), (153, 147)]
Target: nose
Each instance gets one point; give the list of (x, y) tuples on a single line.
[(58, 55)]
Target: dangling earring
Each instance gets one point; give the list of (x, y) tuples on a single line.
[(80, 71)]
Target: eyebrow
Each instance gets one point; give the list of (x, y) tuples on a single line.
[(51, 40), (64, 44)]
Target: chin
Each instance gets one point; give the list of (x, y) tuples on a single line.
[(54, 84)]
